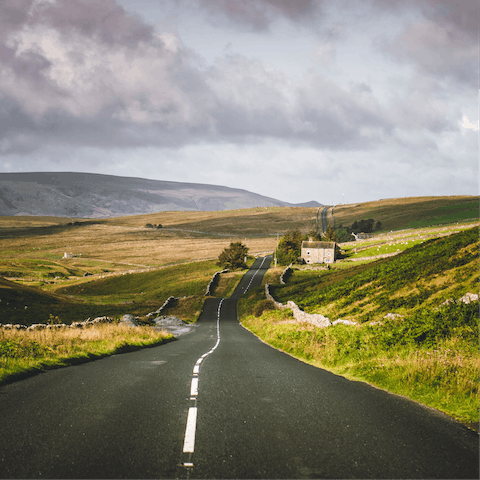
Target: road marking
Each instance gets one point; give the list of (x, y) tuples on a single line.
[(194, 387), (189, 443), (253, 276)]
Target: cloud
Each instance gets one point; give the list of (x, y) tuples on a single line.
[(467, 124), (88, 74), (87, 69), (257, 15), (439, 50)]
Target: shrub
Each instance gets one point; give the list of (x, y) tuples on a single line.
[(289, 247), (233, 256), (262, 306)]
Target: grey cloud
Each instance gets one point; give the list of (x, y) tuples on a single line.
[(461, 13), (130, 88), (259, 14), (87, 70), (103, 20), (438, 50), (443, 45)]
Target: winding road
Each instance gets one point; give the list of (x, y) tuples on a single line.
[(220, 403)]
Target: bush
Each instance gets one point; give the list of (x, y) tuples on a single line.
[(289, 247), (233, 256), (428, 326), (262, 306)]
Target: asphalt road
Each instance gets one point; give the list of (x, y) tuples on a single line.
[(324, 218), (219, 403)]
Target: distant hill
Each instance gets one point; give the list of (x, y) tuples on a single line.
[(87, 195)]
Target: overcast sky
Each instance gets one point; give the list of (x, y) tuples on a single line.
[(327, 100)]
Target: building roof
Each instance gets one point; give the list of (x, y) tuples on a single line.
[(306, 244)]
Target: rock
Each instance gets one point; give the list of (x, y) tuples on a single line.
[(129, 320), (343, 322), (469, 297), (316, 319), (170, 321), (393, 316)]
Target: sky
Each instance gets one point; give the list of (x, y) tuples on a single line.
[(338, 101)]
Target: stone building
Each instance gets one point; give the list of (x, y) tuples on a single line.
[(318, 252)]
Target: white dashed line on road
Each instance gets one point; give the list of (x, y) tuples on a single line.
[(189, 442)]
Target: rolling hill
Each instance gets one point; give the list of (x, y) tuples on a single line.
[(87, 195)]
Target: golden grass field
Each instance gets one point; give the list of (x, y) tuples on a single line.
[(32, 248)]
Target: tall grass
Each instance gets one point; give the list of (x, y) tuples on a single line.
[(24, 352)]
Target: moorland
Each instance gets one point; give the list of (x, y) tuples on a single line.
[(57, 269)]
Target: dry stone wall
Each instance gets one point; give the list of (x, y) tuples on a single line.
[(321, 321), (299, 315), (213, 281)]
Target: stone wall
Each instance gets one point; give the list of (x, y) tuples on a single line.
[(321, 321), (299, 315), (285, 274), (43, 326), (214, 281)]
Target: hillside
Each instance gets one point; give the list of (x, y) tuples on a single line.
[(415, 331), (86, 195), (410, 212), (32, 249), (424, 275)]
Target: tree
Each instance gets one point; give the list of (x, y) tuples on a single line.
[(364, 226), (343, 235), (316, 237), (289, 247), (330, 235), (233, 256)]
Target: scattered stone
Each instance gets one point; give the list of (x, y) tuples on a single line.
[(393, 316), (343, 322), (469, 297), (170, 321), (129, 320)]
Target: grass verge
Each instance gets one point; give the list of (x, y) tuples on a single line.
[(413, 336), (442, 374), (24, 353)]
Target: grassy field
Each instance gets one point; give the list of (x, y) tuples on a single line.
[(428, 350), (25, 352), (135, 293), (413, 212)]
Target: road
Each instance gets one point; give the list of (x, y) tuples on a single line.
[(324, 218), (219, 403)]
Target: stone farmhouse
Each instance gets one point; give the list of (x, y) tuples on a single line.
[(318, 252)]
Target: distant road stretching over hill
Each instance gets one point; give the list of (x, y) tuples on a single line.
[(87, 195)]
